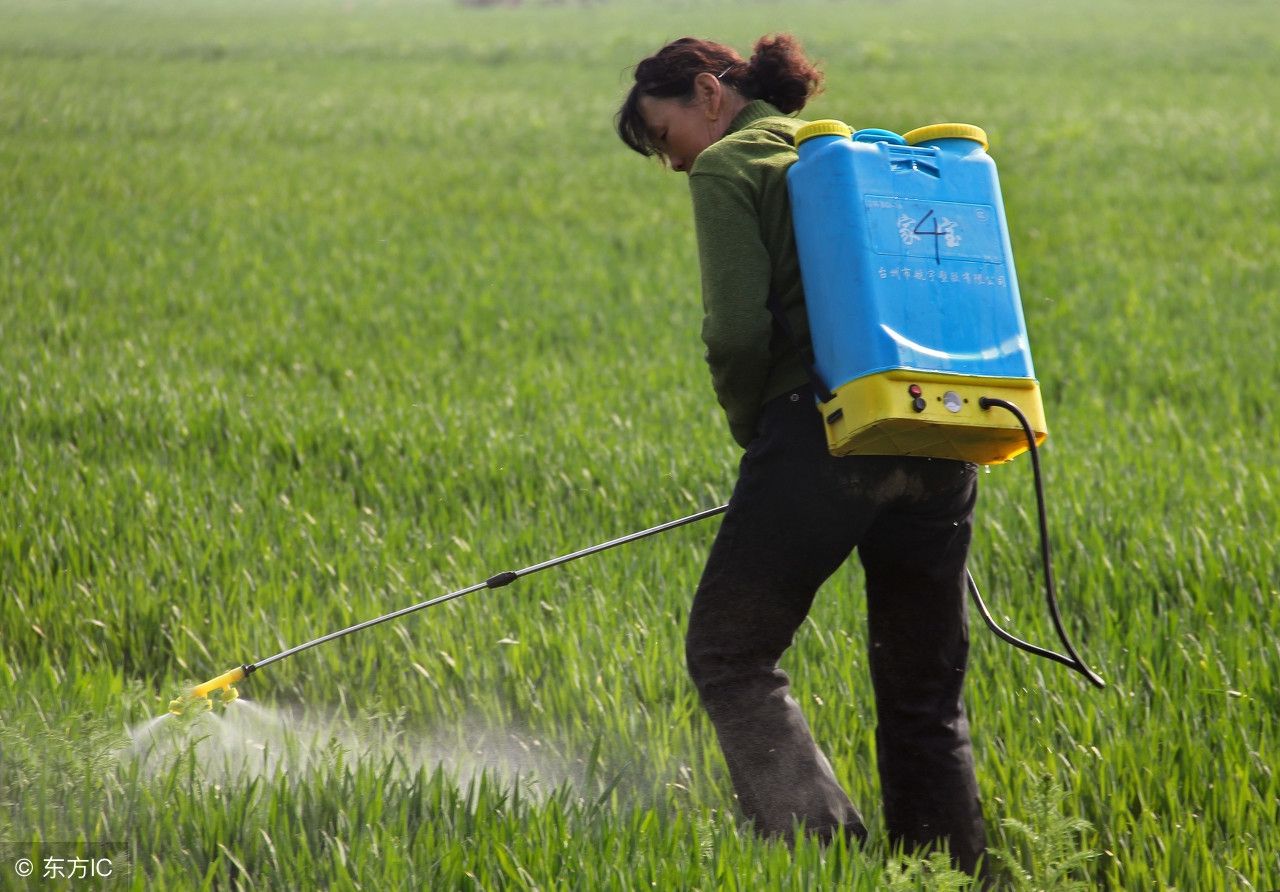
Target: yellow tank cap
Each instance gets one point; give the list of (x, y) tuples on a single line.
[(946, 131), (825, 127)]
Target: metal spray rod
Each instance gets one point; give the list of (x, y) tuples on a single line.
[(226, 681)]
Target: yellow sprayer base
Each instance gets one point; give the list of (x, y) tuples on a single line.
[(877, 415)]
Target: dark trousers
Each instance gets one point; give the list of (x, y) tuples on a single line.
[(795, 515)]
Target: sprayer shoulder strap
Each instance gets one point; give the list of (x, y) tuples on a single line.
[(805, 350), (785, 128)]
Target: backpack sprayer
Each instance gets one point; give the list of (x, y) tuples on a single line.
[(914, 312), (915, 318)]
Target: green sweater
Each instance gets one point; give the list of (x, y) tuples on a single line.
[(747, 251)]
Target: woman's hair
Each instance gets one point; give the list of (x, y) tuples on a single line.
[(777, 72)]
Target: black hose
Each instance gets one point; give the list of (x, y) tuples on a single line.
[(1073, 660), (507, 577)]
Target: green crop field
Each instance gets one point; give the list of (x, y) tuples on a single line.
[(310, 311)]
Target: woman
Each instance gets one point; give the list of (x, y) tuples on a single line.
[(797, 512)]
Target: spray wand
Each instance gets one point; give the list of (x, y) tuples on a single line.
[(197, 699)]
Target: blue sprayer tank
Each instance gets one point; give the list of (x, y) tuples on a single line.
[(910, 289)]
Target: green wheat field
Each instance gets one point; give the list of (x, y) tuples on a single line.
[(310, 311)]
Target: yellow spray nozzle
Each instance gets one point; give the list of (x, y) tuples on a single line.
[(223, 681), (198, 697), (189, 704)]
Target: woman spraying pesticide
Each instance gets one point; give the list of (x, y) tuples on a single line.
[(813, 487), (797, 512)]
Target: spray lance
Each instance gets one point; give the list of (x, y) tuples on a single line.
[(198, 698)]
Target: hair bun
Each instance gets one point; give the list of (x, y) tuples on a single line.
[(780, 74)]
